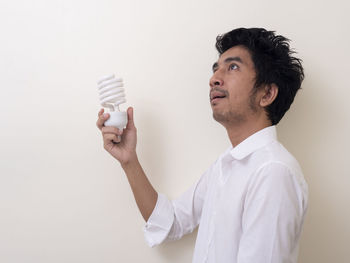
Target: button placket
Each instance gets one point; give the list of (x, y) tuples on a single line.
[(226, 162)]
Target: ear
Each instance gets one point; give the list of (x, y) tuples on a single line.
[(269, 95)]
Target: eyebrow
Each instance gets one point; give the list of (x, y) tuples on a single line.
[(227, 60)]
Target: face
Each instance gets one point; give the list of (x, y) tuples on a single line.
[(231, 87)]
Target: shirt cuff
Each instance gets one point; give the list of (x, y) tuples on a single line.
[(159, 223)]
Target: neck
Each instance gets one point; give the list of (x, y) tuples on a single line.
[(239, 132)]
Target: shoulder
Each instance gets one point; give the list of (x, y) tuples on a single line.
[(275, 165), (276, 154), (275, 159)]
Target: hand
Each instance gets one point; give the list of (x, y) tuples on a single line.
[(121, 144)]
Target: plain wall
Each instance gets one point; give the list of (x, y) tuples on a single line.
[(63, 198)]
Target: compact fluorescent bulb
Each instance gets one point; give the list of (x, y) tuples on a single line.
[(112, 94)]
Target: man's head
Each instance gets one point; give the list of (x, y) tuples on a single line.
[(257, 75)]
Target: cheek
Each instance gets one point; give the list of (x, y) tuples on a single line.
[(239, 99), (242, 87), (238, 92)]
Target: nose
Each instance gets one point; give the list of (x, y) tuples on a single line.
[(216, 80)]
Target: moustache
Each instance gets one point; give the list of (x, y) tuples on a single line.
[(219, 90)]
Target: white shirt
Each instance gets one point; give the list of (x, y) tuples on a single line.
[(250, 206)]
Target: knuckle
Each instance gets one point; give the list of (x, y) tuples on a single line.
[(116, 139), (104, 130), (111, 130)]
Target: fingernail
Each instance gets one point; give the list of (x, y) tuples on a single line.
[(105, 115)]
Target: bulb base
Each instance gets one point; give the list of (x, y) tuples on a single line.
[(117, 119)]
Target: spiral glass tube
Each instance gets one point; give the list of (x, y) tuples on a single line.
[(111, 92)]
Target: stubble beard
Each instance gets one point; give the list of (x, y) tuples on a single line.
[(235, 117)]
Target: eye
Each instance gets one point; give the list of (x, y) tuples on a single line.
[(233, 66)]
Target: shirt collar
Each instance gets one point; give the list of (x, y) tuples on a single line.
[(254, 142)]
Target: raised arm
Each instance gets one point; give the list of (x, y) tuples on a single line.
[(121, 144)]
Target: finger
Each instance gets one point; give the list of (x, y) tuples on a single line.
[(111, 130), (109, 141), (101, 120), (130, 113), (100, 112), (108, 138)]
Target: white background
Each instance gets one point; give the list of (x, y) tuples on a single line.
[(64, 199)]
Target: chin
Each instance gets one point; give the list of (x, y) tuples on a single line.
[(229, 117), (219, 117)]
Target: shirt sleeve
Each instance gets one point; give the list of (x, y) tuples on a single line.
[(273, 216), (170, 220)]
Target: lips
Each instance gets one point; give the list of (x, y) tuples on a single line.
[(216, 95)]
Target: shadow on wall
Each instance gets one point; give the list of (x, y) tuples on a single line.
[(307, 131)]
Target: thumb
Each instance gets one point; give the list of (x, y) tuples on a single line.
[(130, 124)]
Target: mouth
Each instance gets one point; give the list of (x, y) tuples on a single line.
[(215, 97)]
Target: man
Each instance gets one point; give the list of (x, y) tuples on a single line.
[(251, 203)]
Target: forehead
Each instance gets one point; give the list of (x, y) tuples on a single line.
[(237, 51)]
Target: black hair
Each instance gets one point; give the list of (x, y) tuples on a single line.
[(273, 63)]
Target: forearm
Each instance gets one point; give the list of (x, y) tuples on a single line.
[(144, 193)]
